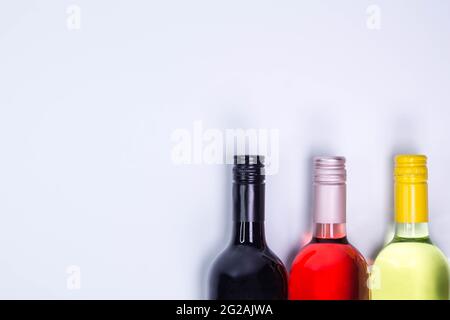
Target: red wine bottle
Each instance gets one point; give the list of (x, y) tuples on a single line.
[(329, 268), (247, 268)]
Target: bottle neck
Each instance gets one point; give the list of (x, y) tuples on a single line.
[(248, 214), (248, 202), (329, 231), (249, 233), (411, 230), (411, 202), (329, 207), (411, 197), (411, 210), (329, 199)]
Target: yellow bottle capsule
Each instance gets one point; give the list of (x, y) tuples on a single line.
[(411, 189)]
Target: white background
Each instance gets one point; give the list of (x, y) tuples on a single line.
[(86, 118)]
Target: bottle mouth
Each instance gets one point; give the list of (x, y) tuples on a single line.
[(329, 170), (249, 169), (411, 168)]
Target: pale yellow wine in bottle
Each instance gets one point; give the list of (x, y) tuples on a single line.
[(410, 267)]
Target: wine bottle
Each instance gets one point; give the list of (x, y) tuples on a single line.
[(410, 267), (247, 268), (329, 267)]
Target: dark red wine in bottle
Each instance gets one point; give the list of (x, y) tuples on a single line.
[(247, 268)]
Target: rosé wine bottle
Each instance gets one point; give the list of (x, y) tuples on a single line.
[(328, 267)]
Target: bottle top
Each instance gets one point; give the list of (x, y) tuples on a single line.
[(410, 168), (248, 169), (330, 170)]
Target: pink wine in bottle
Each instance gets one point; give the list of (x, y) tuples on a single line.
[(328, 267)]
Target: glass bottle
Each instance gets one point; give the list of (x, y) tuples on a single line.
[(329, 267), (410, 267)]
